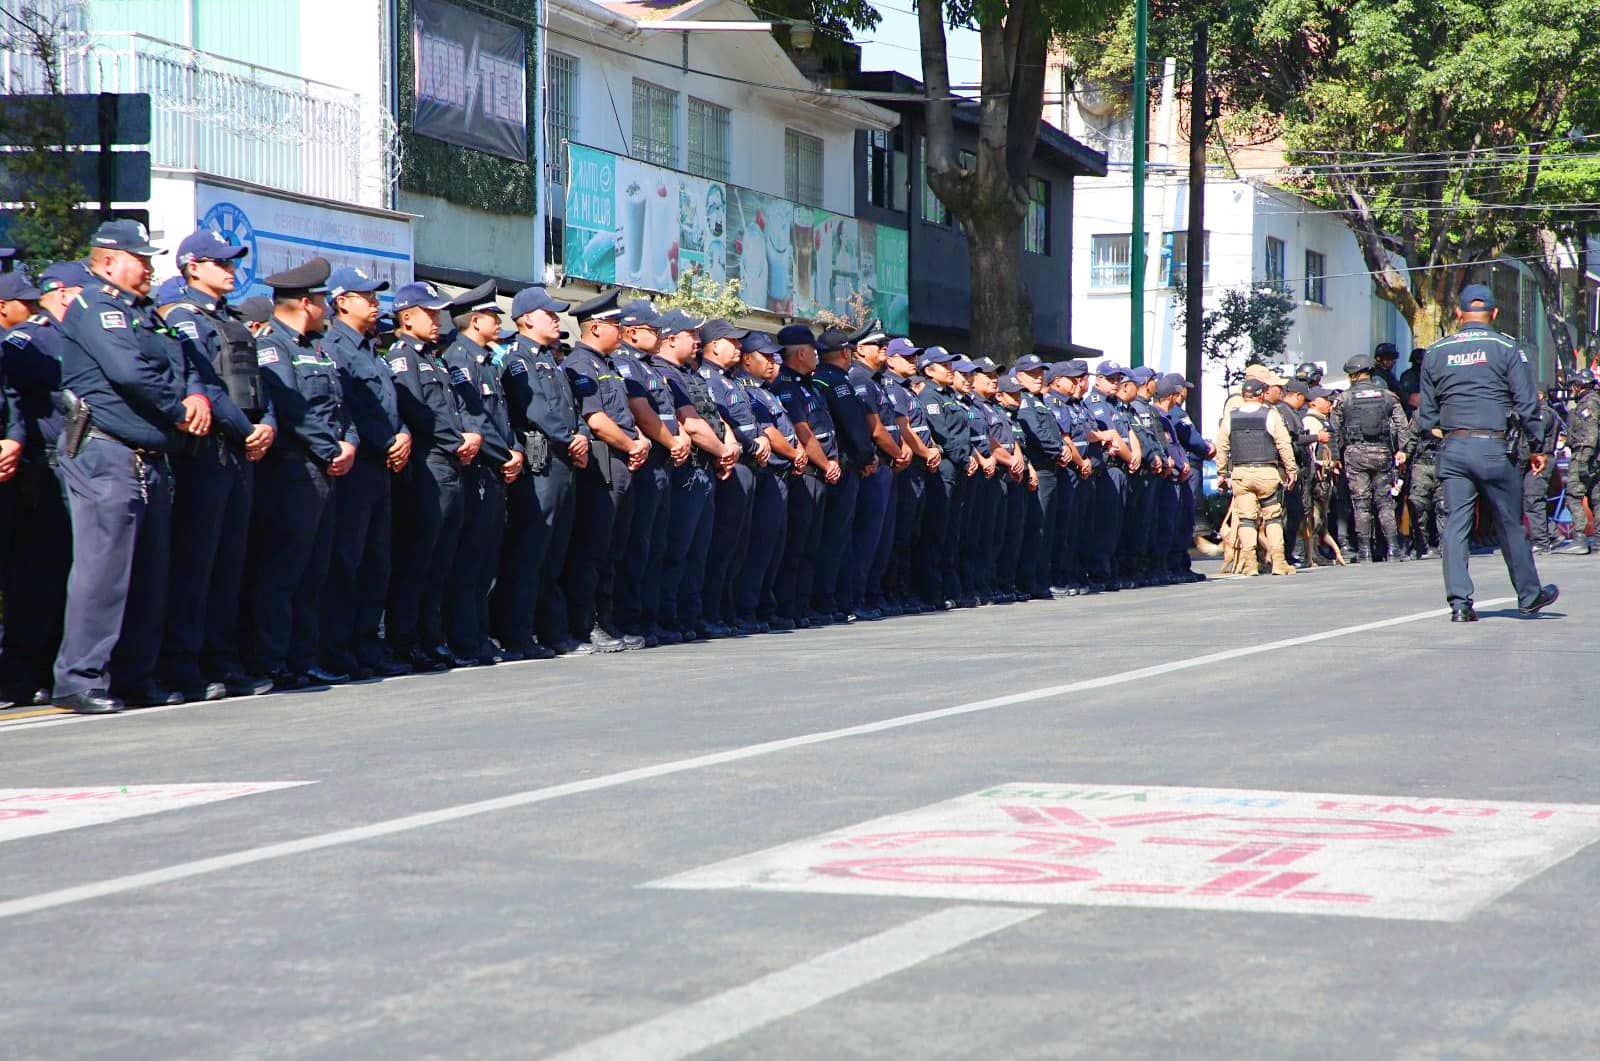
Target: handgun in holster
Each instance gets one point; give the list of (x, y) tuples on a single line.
[(75, 425)]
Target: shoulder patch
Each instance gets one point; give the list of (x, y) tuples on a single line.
[(18, 339), (113, 319), (932, 407), (519, 367), (187, 329), (397, 365), (266, 356), (458, 375)]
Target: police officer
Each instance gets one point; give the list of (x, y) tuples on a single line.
[(938, 575), (475, 379), (1172, 541), (600, 530), (813, 424), (358, 576), (133, 404), (1583, 476), (754, 604), (1255, 457), (38, 553), (1367, 426), (1426, 496), (1113, 426), (544, 414), (295, 485), (1069, 559), (912, 483), (1385, 356), (873, 529), (722, 356), (1137, 394), (1537, 475), (1000, 557), (1199, 450), (1044, 446), (857, 458), (215, 479), (1475, 384), (427, 496), (1295, 395), (638, 592)]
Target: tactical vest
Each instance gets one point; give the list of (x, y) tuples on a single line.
[(1249, 441), (1366, 413), (706, 406), (235, 362)]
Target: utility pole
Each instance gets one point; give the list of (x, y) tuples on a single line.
[(1194, 289), (1141, 149)]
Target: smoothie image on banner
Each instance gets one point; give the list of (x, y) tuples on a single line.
[(777, 224), (716, 221), (635, 211)]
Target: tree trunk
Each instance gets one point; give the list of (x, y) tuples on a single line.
[(1002, 314), (1429, 319)]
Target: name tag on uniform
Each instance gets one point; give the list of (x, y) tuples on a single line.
[(267, 357), (1475, 357), (932, 407), (112, 319)]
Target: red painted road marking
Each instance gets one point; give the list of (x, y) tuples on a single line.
[(945, 870)]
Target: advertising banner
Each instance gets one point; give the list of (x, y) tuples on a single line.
[(643, 226), (470, 83)]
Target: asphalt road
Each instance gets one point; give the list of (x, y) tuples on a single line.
[(475, 866)]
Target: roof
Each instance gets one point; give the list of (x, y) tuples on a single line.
[(650, 10), (1053, 146)]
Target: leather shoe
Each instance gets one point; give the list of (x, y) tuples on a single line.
[(391, 668), (318, 676), (152, 696), (287, 681), (93, 702), (1547, 596), (781, 623), (1463, 613), (425, 662), (239, 684)]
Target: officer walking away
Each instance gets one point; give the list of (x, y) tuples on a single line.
[(1583, 476), (1368, 427), (129, 406), (1476, 386), (1256, 457)]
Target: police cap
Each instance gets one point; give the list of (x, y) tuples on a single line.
[(255, 310), (832, 340), (1142, 375), (1028, 363), (640, 313), (674, 321), (534, 298), (869, 334), (986, 366), (1476, 297), (1166, 387), (935, 355), (1252, 387), (1009, 385), (1296, 386), (903, 348), (208, 245), (474, 297), (1109, 369), (964, 364), (421, 295), (759, 343), (347, 280), (64, 274), (1360, 363), (717, 328), (602, 307), (306, 279), (127, 235), (16, 286), (170, 291), (796, 335)]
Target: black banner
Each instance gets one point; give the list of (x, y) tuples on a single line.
[(470, 82)]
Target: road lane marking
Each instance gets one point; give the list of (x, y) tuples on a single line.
[(721, 1018), (251, 856)]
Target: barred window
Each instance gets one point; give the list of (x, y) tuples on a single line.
[(1316, 278), (1110, 261), (560, 112), (655, 124), (708, 139), (1277, 264), (1175, 258), (802, 166)]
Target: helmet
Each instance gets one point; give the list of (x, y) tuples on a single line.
[(1309, 373)]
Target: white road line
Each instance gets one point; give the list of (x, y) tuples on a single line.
[(201, 867), (727, 1016)]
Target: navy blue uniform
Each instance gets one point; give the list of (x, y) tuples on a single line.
[(1193, 443), (977, 510), (874, 520), (38, 551), (769, 512), (682, 563), (122, 361), (638, 595), (796, 575), (600, 532), (1110, 493), (542, 503), (937, 564), (830, 590), (910, 494), (1040, 434), (733, 497), (1471, 383), (427, 498)]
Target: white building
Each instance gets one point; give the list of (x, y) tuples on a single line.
[(1255, 235)]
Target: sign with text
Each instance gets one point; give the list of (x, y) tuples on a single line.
[(32, 811), (643, 226), (470, 83), (1401, 857)]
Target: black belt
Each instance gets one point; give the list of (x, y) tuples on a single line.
[(106, 436), (1474, 432)]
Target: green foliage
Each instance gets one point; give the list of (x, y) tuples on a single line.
[(699, 295), (1249, 326)]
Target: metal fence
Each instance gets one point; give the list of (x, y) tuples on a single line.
[(224, 117)]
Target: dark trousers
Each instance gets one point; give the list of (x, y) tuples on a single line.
[(213, 485), (768, 532), (121, 510), (427, 531), (793, 586), (730, 529), (937, 579), (638, 596), (1134, 541), (1036, 560), (1165, 537), (292, 549), (873, 499), (1075, 529), (1536, 503), (358, 576), (602, 498), (483, 524), (1183, 532), (976, 528), (688, 536), (828, 591), (558, 504), (37, 556), (882, 562), (538, 525), (1110, 500), (1470, 468), (910, 501), (1014, 509)]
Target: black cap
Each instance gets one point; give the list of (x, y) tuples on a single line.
[(639, 313), (602, 307), (1253, 386), (796, 335), (127, 235), (831, 340), (717, 328), (471, 300), (306, 279), (1386, 350), (1296, 386), (256, 310)]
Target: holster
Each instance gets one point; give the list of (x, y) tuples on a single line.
[(537, 446), (75, 426)]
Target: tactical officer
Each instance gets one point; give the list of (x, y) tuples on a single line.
[(358, 576), (215, 479), (857, 458), (1384, 357), (912, 483), (544, 414), (602, 522), (938, 578), (1475, 384), (1426, 496), (132, 404), (813, 424), (1309, 373), (38, 554), (427, 496), (475, 380), (1583, 475), (875, 511), (1367, 426), (722, 355), (754, 605), (1255, 456), (295, 510)]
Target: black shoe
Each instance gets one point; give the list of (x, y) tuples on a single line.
[(1547, 596), (152, 696), (891, 610), (1463, 613), (966, 602), (604, 642), (286, 681), (748, 629), (426, 662), (1572, 547), (781, 623), (868, 615), (535, 650), (90, 703), (195, 694), (318, 676), (361, 673), (239, 684), (391, 668), (668, 637)]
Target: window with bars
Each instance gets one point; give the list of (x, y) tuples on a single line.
[(1110, 261), (560, 112), (1316, 278), (1175, 258), (1036, 226), (708, 139), (655, 124), (1277, 264), (802, 168)]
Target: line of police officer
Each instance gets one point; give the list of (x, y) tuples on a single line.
[(307, 497)]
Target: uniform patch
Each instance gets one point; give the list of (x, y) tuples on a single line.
[(267, 357), (20, 339), (397, 365), (187, 329), (932, 407), (1475, 357), (519, 367), (458, 375), (112, 319), (842, 391)]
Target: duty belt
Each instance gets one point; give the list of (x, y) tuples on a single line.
[(1474, 432), (106, 436)]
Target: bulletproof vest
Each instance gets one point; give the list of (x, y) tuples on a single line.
[(1249, 440), (235, 362), (1366, 413), (704, 403)]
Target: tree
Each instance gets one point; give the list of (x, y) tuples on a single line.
[(1438, 128), (701, 296), (48, 227), (1249, 326), (990, 197)]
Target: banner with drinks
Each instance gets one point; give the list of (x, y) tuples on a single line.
[(637, 225)]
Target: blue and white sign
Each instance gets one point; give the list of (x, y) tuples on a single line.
[(281, 233)]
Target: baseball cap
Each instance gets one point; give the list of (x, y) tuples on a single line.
[(935, 355), (640, 313), (64, 274), (1296, 386), (1142, 375), (208, 245), (16, 285), (346, 280), (1166, 387), (796, 335), (964, 364), (1009, 385), (717, 328), (1109, 370), (420, 294), (126, 235), (759, 343), (536, 297), (832, 339), (674, 321), (1028, 363), (1476, 293), (986, 366), (169, 291)]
